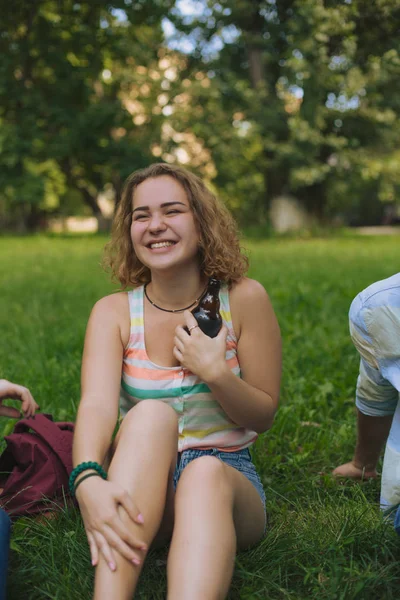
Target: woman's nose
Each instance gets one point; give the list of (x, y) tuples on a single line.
[(156, 222)]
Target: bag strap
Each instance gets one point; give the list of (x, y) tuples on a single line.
[(52, 434)]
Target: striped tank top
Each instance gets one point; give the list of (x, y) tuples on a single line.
[(202, 421)]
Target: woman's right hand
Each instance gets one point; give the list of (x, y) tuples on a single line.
[(100, 503), (16, 392)]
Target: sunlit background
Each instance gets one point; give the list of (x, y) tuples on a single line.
[(289, 110)]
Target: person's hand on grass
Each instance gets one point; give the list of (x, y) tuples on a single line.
[(352, 471), (16, 392), (101, 503)]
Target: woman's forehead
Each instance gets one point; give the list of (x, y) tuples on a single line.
[(157, 190)]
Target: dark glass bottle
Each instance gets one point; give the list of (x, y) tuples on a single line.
[(207, 312)]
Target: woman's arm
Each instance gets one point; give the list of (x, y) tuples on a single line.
[(100, 382), (251, 401), (99, 500)]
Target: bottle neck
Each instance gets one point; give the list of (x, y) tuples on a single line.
[(210, 300), (214, 286)]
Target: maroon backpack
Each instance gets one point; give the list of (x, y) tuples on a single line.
[(35, 466)]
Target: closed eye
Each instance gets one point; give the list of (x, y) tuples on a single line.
[(140, 217)]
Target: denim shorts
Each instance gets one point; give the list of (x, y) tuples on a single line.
[(240, 460)]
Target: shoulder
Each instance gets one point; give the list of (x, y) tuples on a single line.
[(112, 311), (379, 293), (110, 315), (113, 304), (374, 300), (250, 303), (375, 320), (248, 292)]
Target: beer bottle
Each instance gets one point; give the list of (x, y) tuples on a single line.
[(207, 312)]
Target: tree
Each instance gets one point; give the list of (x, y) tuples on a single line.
[(316, 85), (68, 121)]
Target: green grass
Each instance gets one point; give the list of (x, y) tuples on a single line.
[(325, 540)]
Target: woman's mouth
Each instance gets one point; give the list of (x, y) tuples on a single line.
[(165, 244)]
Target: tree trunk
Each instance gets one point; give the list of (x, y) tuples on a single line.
[(256, 66), (314, 199), (118, 187), (103, 224), (34, 219), (275, 181)]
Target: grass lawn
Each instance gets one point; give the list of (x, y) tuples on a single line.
[(324, 540)]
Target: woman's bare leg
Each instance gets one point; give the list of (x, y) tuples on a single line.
[(143, 463), (216, 510)]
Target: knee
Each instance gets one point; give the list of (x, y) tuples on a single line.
[(207, 474), (153, 414)]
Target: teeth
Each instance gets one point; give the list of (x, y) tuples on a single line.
[(161, 244)]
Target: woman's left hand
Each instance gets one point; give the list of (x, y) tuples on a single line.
[(202, 355)]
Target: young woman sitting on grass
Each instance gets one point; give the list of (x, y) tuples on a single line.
[(180, 468)]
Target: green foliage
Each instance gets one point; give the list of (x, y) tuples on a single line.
[(66, 81), (262, 98), (314, 90), (325, 540)]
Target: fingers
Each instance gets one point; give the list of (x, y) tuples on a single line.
[(351, 471), (178, 355), (114, 537), (9, 411), (17, 392), (94, 552), (189, 319), (179, 344), (181, 334), (129, 540), (111, 534), (127, 503), (29, 406), (105, 549), (347, 470), (184, 334), (223, 333), (191, 328), (113, 523)]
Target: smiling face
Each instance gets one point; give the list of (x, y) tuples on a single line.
[(163, 231)]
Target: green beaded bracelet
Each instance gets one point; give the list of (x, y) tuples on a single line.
[(84, 467)]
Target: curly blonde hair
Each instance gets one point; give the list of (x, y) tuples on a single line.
[(220, 254)]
